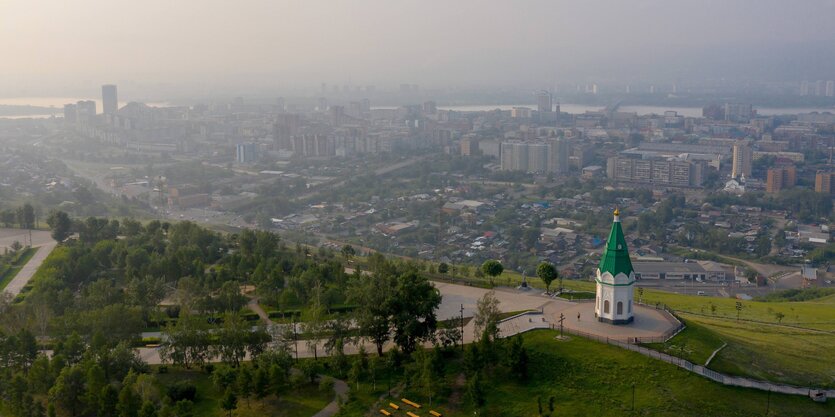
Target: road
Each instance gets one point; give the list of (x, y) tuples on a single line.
[(379, 171), (28, 270)]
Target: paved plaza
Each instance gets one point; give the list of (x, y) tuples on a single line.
[(9, 236), (649, 323)]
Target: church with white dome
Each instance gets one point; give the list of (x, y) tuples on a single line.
[(615, 279)]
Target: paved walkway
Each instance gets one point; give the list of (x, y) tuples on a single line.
[(340, 389), (25, 274)]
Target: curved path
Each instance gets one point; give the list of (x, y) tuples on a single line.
[(340, 389)]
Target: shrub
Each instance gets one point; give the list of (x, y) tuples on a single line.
[(326, 384), (182, 391)]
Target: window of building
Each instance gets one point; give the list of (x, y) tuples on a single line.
[(620, 307), (629, 307), (606, 306)]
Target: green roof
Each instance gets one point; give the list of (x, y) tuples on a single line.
[(615, 257)]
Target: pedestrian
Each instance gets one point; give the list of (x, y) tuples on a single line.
[(578, 316)]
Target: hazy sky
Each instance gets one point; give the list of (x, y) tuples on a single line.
[(60, 44)]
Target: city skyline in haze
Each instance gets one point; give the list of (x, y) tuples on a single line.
[(216, 46)]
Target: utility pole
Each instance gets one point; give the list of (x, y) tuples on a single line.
[(462, 326), (768, 403), (295, 339), (562, 319)]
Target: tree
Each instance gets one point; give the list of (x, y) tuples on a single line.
[(233, 339), (8, 217), (530, 236), (517, 358), (108, 399), (261, 383), (60, 224), (129, 402), (356, 372), (245, 383), (486, 318), (187, 342), (412, 308), (547, 273), (492, 268), (26, 216), (373, 293), (475, 391), (68, 391), (184, 408), (443, 268), (96, 381), (230, 401), (148, 410), (314, 320), (348, 252)]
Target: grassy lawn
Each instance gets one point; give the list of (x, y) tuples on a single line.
[(770, 352), (695, 343), (796, 351), (589, 378), (10, 273), (813, 314), (578, 295), (302, 402)]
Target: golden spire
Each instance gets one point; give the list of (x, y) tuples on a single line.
[(617, 212)]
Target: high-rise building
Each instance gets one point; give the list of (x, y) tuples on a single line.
[(469, 146), (514, 156), (246, 153), (430, 107), (804, 88), (558, 156), (520, 113), (544, 102), (86, 111), (780, 178), (109, 101), (830, 88), (540, 156), (537, 157), (70, 114), (738, 112), (660, 171), (825, 182), (743, 155)]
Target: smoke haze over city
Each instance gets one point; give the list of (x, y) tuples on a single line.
[(218, 46)]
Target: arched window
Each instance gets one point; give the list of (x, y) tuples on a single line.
[(620, 307), (629, 307), (606, 306)]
